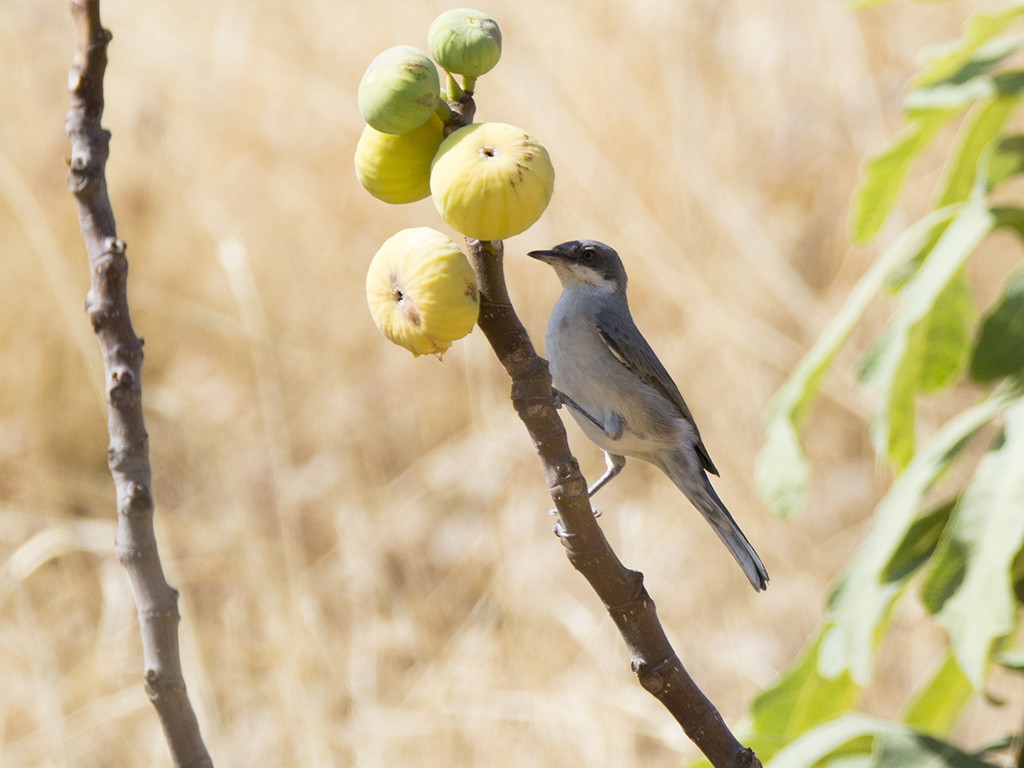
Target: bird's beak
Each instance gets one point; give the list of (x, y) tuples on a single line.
[(548, 257)]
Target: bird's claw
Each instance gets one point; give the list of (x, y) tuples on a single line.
[(559, 530), (556, 398)]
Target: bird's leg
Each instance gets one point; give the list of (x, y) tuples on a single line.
[(563, 398), (614, 465), (611, 427)]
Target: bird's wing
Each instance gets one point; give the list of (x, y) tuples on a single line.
[(630, 348)]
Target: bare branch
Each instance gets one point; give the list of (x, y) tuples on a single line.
[(128, 453), (621, 590)]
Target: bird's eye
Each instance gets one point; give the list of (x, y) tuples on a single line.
[(587, 255)]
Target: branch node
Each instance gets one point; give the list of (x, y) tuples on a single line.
[(138, 500), (127, 555), (99, 317), (652, 678), (78, 179), (652, 683), (125, 451), (564, 470), (157, 685), (169, 611), (122, 380)]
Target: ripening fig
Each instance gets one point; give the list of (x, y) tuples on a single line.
[(399, 90), (491, 180), (422, 291), (396, 169), (465, 42)]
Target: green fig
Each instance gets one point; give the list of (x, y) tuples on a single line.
[(465, 42), (399, 90)]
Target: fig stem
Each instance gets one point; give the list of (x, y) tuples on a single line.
[(468, 84), (444, 112), (455, 92)]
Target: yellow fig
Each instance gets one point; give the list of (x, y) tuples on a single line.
[(491, 180), (396, 169), (422, 291), (465, 42), (399, 90)]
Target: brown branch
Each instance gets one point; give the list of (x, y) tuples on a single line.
[(128, 453), (621, 590)]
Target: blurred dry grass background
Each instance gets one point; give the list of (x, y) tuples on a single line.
[(368, 575)]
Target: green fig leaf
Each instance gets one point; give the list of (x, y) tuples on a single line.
[(918, 545), (847, 734), (860, 600), (904, 748), (999, 350), (884, 173), (782, 471), (800, 700), (980, 128), (936, 706), (1012, 660), (902, 365), (970, 582), (1007, 160), (945, 62)]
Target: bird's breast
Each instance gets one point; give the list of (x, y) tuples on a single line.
[(584, 368)]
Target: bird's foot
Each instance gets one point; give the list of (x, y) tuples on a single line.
[(559, 529), (556, 399)]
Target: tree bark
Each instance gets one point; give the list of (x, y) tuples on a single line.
[(622, 590), (128, 453)]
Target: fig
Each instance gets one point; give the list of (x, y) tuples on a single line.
[(422, 291), (465, 42), (396, 169), (491, 180), (399, 90)]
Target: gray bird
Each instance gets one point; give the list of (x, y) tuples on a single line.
[(620, 394)]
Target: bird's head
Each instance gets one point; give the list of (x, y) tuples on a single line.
[(585, 262)]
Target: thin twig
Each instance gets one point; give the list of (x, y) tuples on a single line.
[(621, 590), (128, 453)]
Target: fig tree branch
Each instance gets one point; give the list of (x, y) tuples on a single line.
[(622, 590), (128, 452)]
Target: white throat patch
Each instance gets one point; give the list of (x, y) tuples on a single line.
[(583, 275)]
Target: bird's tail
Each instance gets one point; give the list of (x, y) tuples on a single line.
[(694, 483)]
